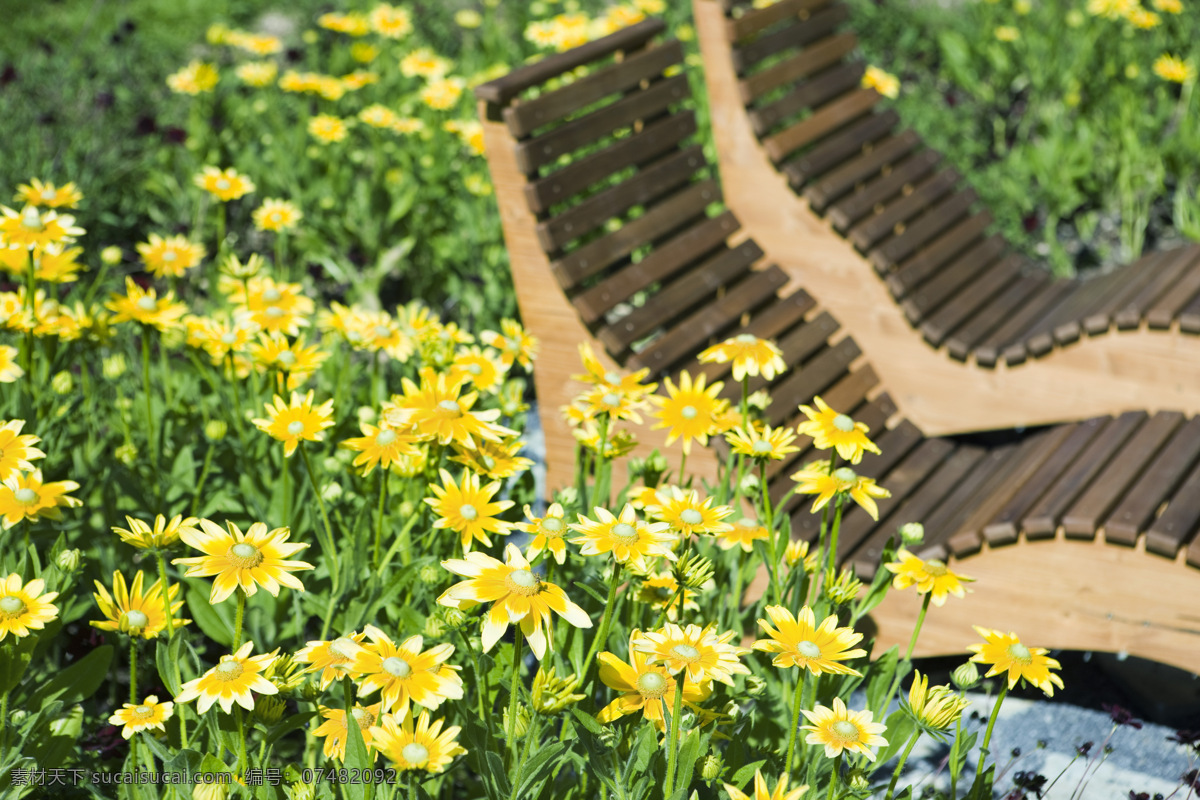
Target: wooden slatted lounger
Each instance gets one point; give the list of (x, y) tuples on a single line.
[(1082, 536), (962, 331)]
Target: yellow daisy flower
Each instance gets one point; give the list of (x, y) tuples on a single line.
[(815, 479), (390, 21), (30, 228), (25, 496), (145, 306), (442, 94), (1007, 33), (225, 185), (1005, 653), (517, 596), (597, 375), (613, 401), (698, 652), (333, 658), (796, 552), (382, 445), (295, 421), (23, 607), (483, 370), (513, 343), (335, 730), (10, 372), (769, 444), (1169, 6), (689, 411), (630, 540), (760, 789), (403, 673), (936, 709), (439, 411), (931, 577), (144, 716), (196, 78), (829, 429), (246, 560), (276, 215), (425, 747), (840, 729), (743, 533), (37, 193), (883, 82), (131, 611), (296, 361), (59, 264), (231, 681), (683, 511), (257, 73), (658, 590), (799, 642), (377, 116), (273, 306), (468, 508), (326, 128), (1173, 68), (352, 24), (423, 63), (16, 449), (645, 687), (750, 356), (548, 532), (170, 257), (494, 460), (161, 536)]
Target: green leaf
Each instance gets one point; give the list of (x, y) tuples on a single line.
[(166, 658), (58, 738), (78, 681), (356, 758), (685, 764), (287, 725), (899, 730), (14, 659), (537, 768), (881, 674), (214, 625), (742, 777)]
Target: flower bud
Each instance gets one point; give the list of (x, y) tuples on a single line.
[(114, 366), (62, 383), (858, 781), (522, 723), (552, 694), (965, 676), (269, 708), (912, 534), (68, 560), (435, 627), (695, 570), (755, 686), (111, 255), (567, 496), (331, 492), (749, 484), (301, 791), (127, 454), (432, 574), (454, 618), (366, 414), (331, 464), (711, 767), (215, 430)]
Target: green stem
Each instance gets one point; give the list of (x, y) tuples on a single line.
[(481, 689), (208, 457), (682, 465), (3, 726), (330, 549), (383, 476), (284, 469), (149, 410), (891, 790), (987, 736), (831, 574), (801, 683), (133, 669), (768, 522), (513, 691), (833, 778), (673, 743), (602, 634), (241, 729), (238, 617), (912, 643)]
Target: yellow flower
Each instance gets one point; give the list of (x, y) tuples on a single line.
[(548, 532), (689, 411), (335, 730), (750, 356), (225, 185), (1110, 9), (468, 18), (247, 561), (403, 673), (58, 264), (760, 789), (885, 83), (493, 459), (613, 401), (513, 343), (170, 257), (423, 63), (296, 361), (829, 429), (130, 611), (378, 116), (36, 193), (406, 125), (936, 709), (630, 540), (443, 93), (815, 479), (439, 411), (840, 729), (1004, 652), (1007, 33), (197, 77), (232, 680), (517, 595), (382, 446), (327, 128), (468, 509), (333, 658), (425, 747), (1172, 68), (30, 228), (645, 687), (257, 73), (658, 590), (743, 533), (773, 444), (597, 375), (1169, 6), (1143, 19), (276, 215), (351, 24), (930, 577), (273, 306), (23, 607), (162, 535), (10, 371), (697, 652), (684, 512), (799, 642), (297, 420), (145, 306), (24, 496), (390, 21), (16, 449), (143, 716), (482, 369), (260, 44)]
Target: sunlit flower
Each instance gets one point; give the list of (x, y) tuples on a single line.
[(276, 215), (295, 361), (364, 52), (799, 642), (335, 730), (645, 686), (750, 356), (513, 343), (482, 369), (403, 674), (327, 128), (407, 125), (382, 445), (840, 729), (58, 263), (687, 514), (260, 44), (815, 479), (30, 228), (829, 429), (296, 420), (333, 658), (390, 21), (145, 306), (772, 444), (257, 73), (468, 509), (931, 577), (232, 680), (1143, 19), (1169, 6), (377, 116), (197, 77), (630, 540), (493, 460), (425, 746), (273, 306), (144, 716), (170, 257), (24, 496), (760, 789), (37, 193), (1172, 68), (130, 610), (698, 652), (660, 589), (548, 532), (689, 411), (23, 607), (1005, 653), (517, 595), (352, 24), (936, 709), (743, 533), (424, 63), (17, 450), (442, 93), (247, 560), (1110, 9), (225, 185), (440, 411), (10, 371), (885, 83), (161, 536)]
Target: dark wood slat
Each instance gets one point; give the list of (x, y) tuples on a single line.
[(944, 521), (552, 106), (797, 346), (1006, 341), (799, 34), (504, 89), (549, 147), (937, 219), (770, 323), (1161, 314), (1066, 325), (682, 293), (860, 168), (1042, 520), (960, 275), (852, 208), (1162, 474), (818, 374), (1172, 269), (687, 337), (830, 84), (660, 178), (1004, 527), (925, 264), (807, 62), (659, 265), (656, 139), (669, 215), (960, 308), (963, 341), (1135, 277), (1178, 523), (1189, 317), (760, 19), (867, 233), (837, 149), (1083, 518), (821, 123)]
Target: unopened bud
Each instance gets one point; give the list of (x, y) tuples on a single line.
[(568, 496), (301, 791), (454, 618), (755, 686), (695, 570), (749, 484), (366, 414), (522, 723), (965, 676), (62, 383), (269, 708), (331, 492), (215, 430), (68, 560), (711, 767), (331, 464), (111, 255), (858, 781), (127, 454), (432, 574), (912, 534), (552, 694), (114, 366), (435, 627)]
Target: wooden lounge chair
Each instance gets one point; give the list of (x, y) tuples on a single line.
[(1081, 536), (964, 334)]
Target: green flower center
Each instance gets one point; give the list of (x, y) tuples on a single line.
[(343, 648), (451, 406), (147, 303), (245, 556), (274, 312), (169, 256), (745, 338), (935, 568), (624, 533), (845, 475), (26, 496), (416, 754), (475, 369), (295, 428), (843, 423), (845, 730), (688, 412), (652, 684), (276, 216), (287, 358), (134, 619), (12, 606), (397, 666), (48, 195), (761, 446), (1019, 652), (808, 650), (685, 652), (468, 512), (272, 295), (364, 718), (612, 377), (223, 185), (552, 524), (383, 332), (32, 220), (229, 338), (691, 516), (229, 670), (611, 399), (523, 582), (141, 712), (385, 437)]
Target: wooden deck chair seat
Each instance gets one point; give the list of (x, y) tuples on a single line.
[(1081, 536), (964, 332)]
